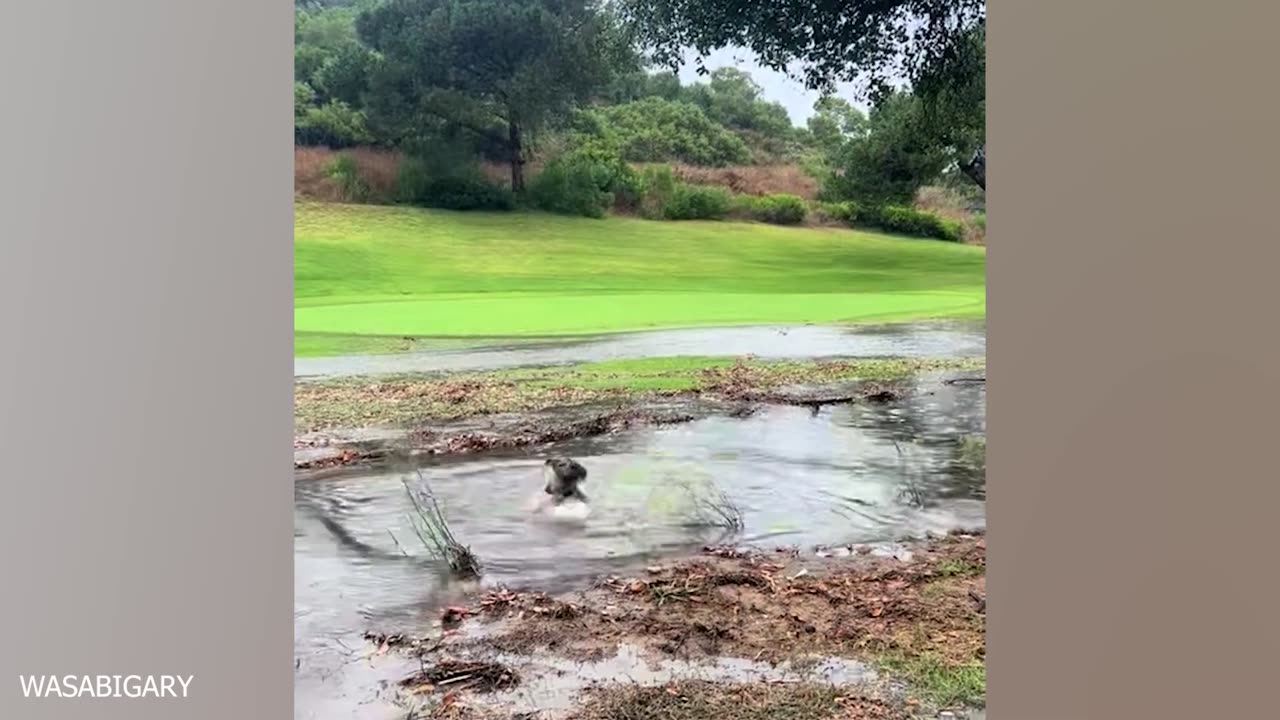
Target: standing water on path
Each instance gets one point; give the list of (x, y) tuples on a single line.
[(772, 342), (844, 474)]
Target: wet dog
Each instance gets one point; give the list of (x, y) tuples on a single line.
[(563, 476)]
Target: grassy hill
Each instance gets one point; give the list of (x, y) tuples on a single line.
[(367, 276)]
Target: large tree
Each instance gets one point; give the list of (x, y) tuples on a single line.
[(935, 46), (501, 69)]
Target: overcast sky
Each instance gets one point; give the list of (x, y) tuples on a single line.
[(777, 86)]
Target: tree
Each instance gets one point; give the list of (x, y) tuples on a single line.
[(894, 158), (929, 44), (733, 99), (501, 69), (657, 130), (835, 122)]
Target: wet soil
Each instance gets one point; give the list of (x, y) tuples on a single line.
[(805, 632), (737, 391)]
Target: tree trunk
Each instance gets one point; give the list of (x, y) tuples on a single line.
[(976, 168), (516, 147)]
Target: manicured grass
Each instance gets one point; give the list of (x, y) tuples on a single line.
[(367, 277)]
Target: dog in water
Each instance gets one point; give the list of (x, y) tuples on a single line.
[(562, 477)]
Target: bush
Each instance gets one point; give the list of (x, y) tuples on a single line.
[(657, 130), (584, 182), (698, 202), (841, 212), (334, 124), (657, 186), (906, 221), (460, 190), (778, 209), (344, 170)]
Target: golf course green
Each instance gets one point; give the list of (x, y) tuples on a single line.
[(367, 276)]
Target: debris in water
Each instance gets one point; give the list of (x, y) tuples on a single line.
[(454, 675)]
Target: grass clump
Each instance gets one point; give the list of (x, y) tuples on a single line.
[(346, 173), (938, 682), (711, 506), (432, 529)]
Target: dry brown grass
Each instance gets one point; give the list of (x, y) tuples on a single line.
[(379, 168), (752, 179), (948, 204)]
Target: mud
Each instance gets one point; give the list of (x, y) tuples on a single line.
[(736, 620), (732, 392)]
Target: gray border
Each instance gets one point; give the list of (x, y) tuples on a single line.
[(1132, 360), (146, 296)]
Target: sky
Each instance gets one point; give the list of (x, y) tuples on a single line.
[(776, 86)]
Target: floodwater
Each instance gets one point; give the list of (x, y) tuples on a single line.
[(845, 474), (954, 339)]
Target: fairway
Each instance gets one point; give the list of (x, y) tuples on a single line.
[(365, 275)]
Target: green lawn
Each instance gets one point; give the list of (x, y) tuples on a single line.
[(367, 277)]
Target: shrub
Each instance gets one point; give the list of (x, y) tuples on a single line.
[(839, 212), (657, 130), (893, 218), (459, 190), (334, 124), (698, 202), (584, 181), (344, 170), (776, 209), (657, 185)]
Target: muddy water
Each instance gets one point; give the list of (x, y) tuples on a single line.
[(774, 342), (847, 474)]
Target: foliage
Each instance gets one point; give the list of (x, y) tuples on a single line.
[(657, 130), (343, 169), (733, 99), (658, 186), (335, 124), (584, 182), (501, 69), (870, 42), (937, 46), (906, 221), (891, 161), (835, 122), (456, 188), (697, 202), (780, 209), (303, 97)]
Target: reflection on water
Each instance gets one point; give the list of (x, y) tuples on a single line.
[(857, 473), (954, 339)]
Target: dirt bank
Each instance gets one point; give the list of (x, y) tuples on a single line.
[(354, 421), (916, 613)]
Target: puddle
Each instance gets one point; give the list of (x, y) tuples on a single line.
[(770, 342), (831, 477), (552, 685)]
